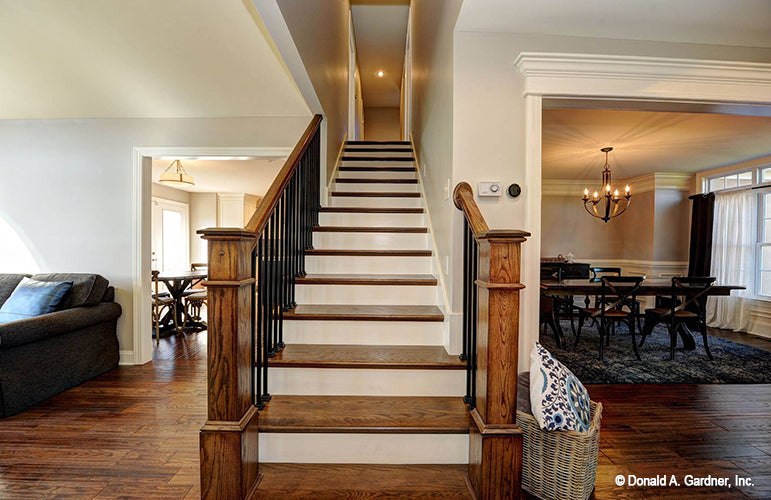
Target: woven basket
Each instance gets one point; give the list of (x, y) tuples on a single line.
[(560, 465)]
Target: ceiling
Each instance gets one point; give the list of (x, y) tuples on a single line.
[(380, 34), (253, 176), (720, 22), (140, 58), (647, 141)]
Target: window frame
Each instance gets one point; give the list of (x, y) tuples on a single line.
[(761, 189)]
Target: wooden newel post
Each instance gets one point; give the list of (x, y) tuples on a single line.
[(495, 441), (229, 467)]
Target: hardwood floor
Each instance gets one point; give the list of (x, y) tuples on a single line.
[(133, 433)]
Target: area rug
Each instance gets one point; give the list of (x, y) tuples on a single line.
[(733, 363)]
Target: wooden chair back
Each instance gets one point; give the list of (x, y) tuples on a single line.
[(615, 291), (694, 291)]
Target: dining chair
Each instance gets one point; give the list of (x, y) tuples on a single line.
[(196, 298), (616, 292), (599, 272), (557, 306), (161, 301), (687, 306)]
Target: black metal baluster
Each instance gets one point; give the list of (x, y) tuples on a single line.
[(266, 288), (274, 298), (265, 317), (280, 283), (256, 339), (474, 291)]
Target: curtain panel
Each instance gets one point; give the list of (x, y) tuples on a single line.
[(733, 258)]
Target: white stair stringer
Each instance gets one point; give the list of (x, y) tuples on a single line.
[(363, 332), (399, 295), (370, 448), (300, 381)]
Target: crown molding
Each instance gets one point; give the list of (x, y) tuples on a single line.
[(640, 184), (588, 75)]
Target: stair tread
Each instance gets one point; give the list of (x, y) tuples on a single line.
[(376, 194), (363, 482), (371, 210), (364, 180), (368, 253), (347, 312), (366, 356), (377, 414), (394, 149), (377, 142), (369, 229), (375, 168), (377, 158), (367, 279)]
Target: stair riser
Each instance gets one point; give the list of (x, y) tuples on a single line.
[(375, 187), (366, 295), (345, 174), (375, 202), (365, 381), (354, 145), (378, 154), (364, 333), (377, 163), (371, 241), (371, 220), (363, 448), (321, 264)]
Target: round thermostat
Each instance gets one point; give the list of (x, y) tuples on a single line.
[(514, 190)]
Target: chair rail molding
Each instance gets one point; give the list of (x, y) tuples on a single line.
[(142, 350), (611, 77), (637, 77)]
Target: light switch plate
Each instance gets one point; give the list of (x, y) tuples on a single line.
[(490, 188)]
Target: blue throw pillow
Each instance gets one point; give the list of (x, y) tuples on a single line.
[(558, 400), (33, 298)]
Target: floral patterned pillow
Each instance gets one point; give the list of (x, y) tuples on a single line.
[(558, 400)]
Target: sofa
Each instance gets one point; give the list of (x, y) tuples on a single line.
[(48, 354)]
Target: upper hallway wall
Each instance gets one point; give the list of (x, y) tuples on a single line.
[(320, 33)]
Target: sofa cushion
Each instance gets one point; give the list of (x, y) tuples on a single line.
[(87, 289), (33, 298), (8, 283)]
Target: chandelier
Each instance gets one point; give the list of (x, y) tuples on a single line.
[(611, 204), (176, 177)]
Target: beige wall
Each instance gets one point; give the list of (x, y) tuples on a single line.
[(169, 193), (431, 24), (381, 124), (568, 228), (655, 228), (320, 33)]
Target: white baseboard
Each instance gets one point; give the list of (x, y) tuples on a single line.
[(126, 357)]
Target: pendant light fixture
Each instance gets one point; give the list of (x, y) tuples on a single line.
[(177, 177), (611, 204)]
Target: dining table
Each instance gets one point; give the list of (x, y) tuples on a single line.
[(177, 283), (651, 287)]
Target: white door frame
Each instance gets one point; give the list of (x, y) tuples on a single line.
[(407, 83), (628, 78), (142, 348), (184, 209), (352, 101)]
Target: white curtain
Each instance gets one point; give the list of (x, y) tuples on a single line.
[(733, 258)]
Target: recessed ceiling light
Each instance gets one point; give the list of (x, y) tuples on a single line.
[(380, 73)]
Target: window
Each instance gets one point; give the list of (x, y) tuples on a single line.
[(759, 180)]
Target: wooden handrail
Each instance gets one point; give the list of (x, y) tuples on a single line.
[(463, 196), (260, 218)]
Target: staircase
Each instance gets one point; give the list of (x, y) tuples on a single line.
[(364, 379)]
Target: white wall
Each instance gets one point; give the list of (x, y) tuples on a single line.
[(69, 185), (320, 33), (203, 214), (382, 124)]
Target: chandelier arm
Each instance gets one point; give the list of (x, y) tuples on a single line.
[(587, 209), (626, 205)]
